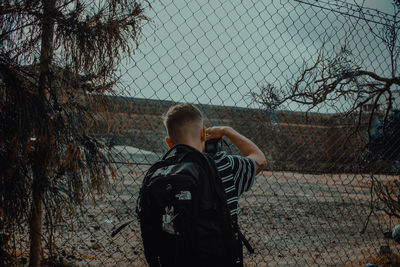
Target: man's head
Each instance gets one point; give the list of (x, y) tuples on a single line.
[(184, 124)]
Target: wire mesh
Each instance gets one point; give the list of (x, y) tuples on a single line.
[(310, 207)]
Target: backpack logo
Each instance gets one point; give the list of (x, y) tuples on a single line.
[(167, 221), (184, 195)]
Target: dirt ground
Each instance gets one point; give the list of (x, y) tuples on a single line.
[(290, 219)]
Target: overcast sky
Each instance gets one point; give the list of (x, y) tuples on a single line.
[(216, 52), (381, 5)]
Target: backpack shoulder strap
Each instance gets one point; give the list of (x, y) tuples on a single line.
[(217, 183), (221, 194)]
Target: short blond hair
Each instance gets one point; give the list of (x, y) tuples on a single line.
[(179, 117)]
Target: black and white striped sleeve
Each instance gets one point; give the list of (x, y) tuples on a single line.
[(244, 172)]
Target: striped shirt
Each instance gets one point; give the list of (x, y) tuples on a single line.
[(237, 174)]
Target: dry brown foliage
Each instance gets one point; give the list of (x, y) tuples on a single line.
[(54, 55)]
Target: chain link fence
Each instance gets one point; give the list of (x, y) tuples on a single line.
[(311, 206)]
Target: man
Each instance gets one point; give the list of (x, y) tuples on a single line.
[(184, 125)]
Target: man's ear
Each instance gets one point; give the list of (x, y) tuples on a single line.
[(203, 134), (168, 140)]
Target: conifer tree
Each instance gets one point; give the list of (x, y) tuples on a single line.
[(55, 54)]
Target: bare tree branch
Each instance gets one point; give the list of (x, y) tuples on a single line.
[(348, 88)]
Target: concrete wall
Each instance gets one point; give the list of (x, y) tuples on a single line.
[(291, 140)]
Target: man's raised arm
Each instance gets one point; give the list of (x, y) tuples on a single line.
[(245, 145)]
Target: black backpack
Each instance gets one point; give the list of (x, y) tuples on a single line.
[(183, 213)]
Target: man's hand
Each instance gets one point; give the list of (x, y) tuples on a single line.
[(215, 132)]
